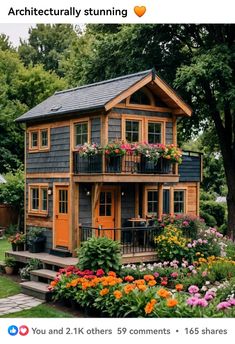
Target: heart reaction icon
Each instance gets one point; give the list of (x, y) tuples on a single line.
[(139, 10), (23, 330)]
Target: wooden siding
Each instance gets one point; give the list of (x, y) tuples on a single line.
[(85, 208), (136, 112), (127, 203), (190, 169), (114, 129), (95, 130), (55, 160)]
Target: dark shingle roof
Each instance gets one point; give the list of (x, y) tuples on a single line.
[(82, 98)]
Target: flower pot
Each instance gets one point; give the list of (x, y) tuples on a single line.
[(95, 163), (163, 166), (37, 245), (114, 164), (9, 270), (146, 165), (20, 247), (13, 246)]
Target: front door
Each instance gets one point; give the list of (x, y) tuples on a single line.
[(62, 217), (105, 212)]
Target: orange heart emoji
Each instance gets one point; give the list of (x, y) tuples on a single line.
[(139, 10)]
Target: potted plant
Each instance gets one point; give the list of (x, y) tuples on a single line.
[(91, 160), (113, 153), (36, 240), (149, 156), (169, 154), (34, 264), (17, 241), (9, 263)]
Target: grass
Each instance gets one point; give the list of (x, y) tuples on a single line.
[(4, 246), (41, 311), (8, 287)]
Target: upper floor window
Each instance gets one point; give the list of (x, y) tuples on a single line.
[(38, 199), (179, 201), (154, 132), (81, 133), (140, 97), (39, 139), (132, 131)]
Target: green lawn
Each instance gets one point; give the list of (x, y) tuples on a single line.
[(41, 311), (8, 287), (4, 246)]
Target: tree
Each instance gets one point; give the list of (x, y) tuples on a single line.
[(47, 45)]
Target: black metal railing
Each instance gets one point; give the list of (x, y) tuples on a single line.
[(130, 163), (132, 239)]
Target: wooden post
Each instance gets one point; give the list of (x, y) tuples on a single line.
[(171, 200), (160, 200), (137, 198)]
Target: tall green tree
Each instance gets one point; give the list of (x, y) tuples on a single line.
[(47, 45)]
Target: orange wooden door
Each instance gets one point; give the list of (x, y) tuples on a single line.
[(105, 213), (62, 217)]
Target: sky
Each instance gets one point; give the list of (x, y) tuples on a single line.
[(15, 32)]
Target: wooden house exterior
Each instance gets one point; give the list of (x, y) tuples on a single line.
[(71, 199)]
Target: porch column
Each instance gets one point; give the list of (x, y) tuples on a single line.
[(160, 200)]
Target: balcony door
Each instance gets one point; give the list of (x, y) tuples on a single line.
[(61, 235), (105, 212)]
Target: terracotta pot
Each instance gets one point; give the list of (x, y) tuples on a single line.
[(9, 270)]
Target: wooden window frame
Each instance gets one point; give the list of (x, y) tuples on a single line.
[(147, 93), (39, 147), (147, 192), (40, 211), (163, 129), (139, 119), (80, 121), (184, 201)]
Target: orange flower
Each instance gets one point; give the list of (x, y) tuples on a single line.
[(129, 278), (152, 283), (53, 284), (74, 282), (112, 283), (112, 273), (105, 284), (171, 303), (163, 293), (139, 282), (117, 294), (68, 285), (142, 287), (148, 277), (128, 288), (104, 291), (150, 306), (179, 287)]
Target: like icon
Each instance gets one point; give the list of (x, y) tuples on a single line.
[(12, 330), (23, 330)]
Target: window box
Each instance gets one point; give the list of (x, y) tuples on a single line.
[(113, 164)]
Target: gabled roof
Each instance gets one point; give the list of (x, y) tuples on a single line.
[(101, 95)]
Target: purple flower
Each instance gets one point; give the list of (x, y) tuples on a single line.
[(192, 301), (202, 303), (223, 305), (193, 289), (209, 296)]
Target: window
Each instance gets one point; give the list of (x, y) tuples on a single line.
[(140, 97), (152, 200), (39, 140), (38, 199), (63, 201), (44, 138), (132, 131), (34, 139), (105, 204), (154, 132), (179, 201), (81, 133)]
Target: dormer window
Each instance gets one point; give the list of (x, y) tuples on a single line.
[(140, 97)]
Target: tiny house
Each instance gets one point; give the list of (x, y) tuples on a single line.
[(73, 196)]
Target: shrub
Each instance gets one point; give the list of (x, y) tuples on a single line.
[(10, 262), (33, 264), (217, 210), (171, 244), (230, 250), (223, 229), (209, 219), (98, 253)]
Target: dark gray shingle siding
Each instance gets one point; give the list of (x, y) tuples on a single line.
[(57, 159), (190, 169), (169, 132), (114, 129), (85, 211), (95, 130)]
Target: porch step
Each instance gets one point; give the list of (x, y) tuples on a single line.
[(43, 273), (60, 252), (36, 289)]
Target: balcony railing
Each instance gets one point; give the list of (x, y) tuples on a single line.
[(130, 163), (132, 239)]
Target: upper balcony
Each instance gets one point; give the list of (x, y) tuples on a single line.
[(127, 168)]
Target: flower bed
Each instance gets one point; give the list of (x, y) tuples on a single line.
[(156, 294)]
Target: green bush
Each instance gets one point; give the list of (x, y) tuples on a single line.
[(230, 250), (97, 253), (223, 229), (209, 219), (217, 210), (10, 262)]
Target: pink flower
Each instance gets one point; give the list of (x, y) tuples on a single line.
[(100, 273), (223, 305), (232, 302), (192, 301), (174, 274), (156, 274), (208, 296), (193, 289), (204, 273), (202, 303)]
